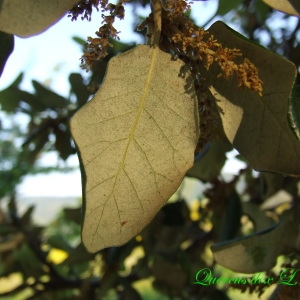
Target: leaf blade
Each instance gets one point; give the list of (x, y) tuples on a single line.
[(288, 6), (258, 127), (136, 156), (29, 17)]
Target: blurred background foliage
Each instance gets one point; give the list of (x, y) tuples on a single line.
[(161, 262)]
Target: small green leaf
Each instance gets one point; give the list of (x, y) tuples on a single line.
[(63, 142), (7, 47), (58, 241), (79, 40), (48, 98), (29, 264), (79, 88), (231, 220), (226, 6), (26, 219), (209, 166), (12, 96)]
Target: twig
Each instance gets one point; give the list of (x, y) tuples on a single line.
[(156, 9)]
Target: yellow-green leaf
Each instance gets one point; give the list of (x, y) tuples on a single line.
[(257, 127), (136, 139), (29, 17), (288, 6)]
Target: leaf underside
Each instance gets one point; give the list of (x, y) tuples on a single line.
[(257, 127), (288, 6), (136, 140), (29, 17)]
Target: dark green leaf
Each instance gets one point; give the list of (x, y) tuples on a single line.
[(48, 98), (63, 142), (7, 47), (226, 6), (231, 221), (26, 219), (210, 164), (79, 40), (58, 241), (73, 214), (175, 213), (79, 89), (261, 10), (29, 264), (294, 114), (130, 293), (7, 229), (40, 140), (257, 216), (78, 255), (12, 96)]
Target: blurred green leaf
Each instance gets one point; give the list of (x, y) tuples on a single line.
[(79, 88), (130, 293), (258, 252), (168, 276), (257, 216), (37, 144), (78, 255), (63, 142), (261, 11), (28, 262), (59, 242), (73, 214), (7, 229), (26, 219), (79, 40), (211, 163), (12, 96), (294, 113), (226, 6), (49, 98), (7, 47), (231, 221)]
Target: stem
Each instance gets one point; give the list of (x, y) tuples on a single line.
[(156, 9)]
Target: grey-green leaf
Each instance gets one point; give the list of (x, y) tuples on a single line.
[(257, 126)]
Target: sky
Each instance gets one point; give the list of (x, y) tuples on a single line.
[(49, 58)]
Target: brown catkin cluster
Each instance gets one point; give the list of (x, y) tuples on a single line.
[(96, 48), (199, 45), (84, 8)]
